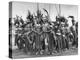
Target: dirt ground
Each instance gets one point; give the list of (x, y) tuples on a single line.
[(20, 54)]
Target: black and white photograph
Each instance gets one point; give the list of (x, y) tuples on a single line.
[(42, 29)]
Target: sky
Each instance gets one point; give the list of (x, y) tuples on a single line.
[(21, 9)]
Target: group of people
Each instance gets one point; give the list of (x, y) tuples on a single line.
[(39, 35)]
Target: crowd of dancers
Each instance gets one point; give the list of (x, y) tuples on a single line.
[(40, 35)]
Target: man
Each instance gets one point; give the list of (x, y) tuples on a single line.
[(30, 37), (65, 41), (19, 41), (59, 41), (27, 47), (76, 34), (73, 30), (45, 39), (51, 42)]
